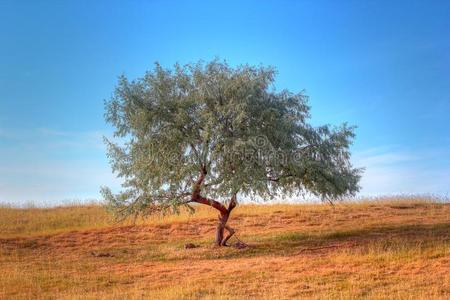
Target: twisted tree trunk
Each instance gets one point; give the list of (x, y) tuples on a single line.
[(223, 218), (222, 225), (224, 212)]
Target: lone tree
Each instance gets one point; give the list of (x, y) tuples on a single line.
[(206, 133)]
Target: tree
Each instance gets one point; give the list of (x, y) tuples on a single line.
[(206, 133)]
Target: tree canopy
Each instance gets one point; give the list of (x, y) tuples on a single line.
[(220, 131)]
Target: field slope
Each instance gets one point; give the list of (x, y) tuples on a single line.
[(382, 249)]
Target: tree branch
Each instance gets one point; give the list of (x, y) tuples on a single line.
[(213, 203), (196, 197), (232, 203)]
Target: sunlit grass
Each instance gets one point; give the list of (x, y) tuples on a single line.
[(389, 248)]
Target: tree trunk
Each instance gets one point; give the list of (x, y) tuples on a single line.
[(224, 211), (223, 218)]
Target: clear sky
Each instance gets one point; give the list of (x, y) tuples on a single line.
[(381, 65)]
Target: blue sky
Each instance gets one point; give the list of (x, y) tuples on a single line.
[(381, 65)]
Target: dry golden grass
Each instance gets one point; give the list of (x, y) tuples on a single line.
[(377, 250)]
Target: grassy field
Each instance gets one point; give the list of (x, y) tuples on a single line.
[(378, 249)]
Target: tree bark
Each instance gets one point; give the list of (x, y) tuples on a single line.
[(223, 218), (230, 234), (222, 225), (224, 211)]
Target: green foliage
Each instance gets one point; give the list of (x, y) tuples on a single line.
[(231, 122)]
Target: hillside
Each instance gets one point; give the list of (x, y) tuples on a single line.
[(390, 248)]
